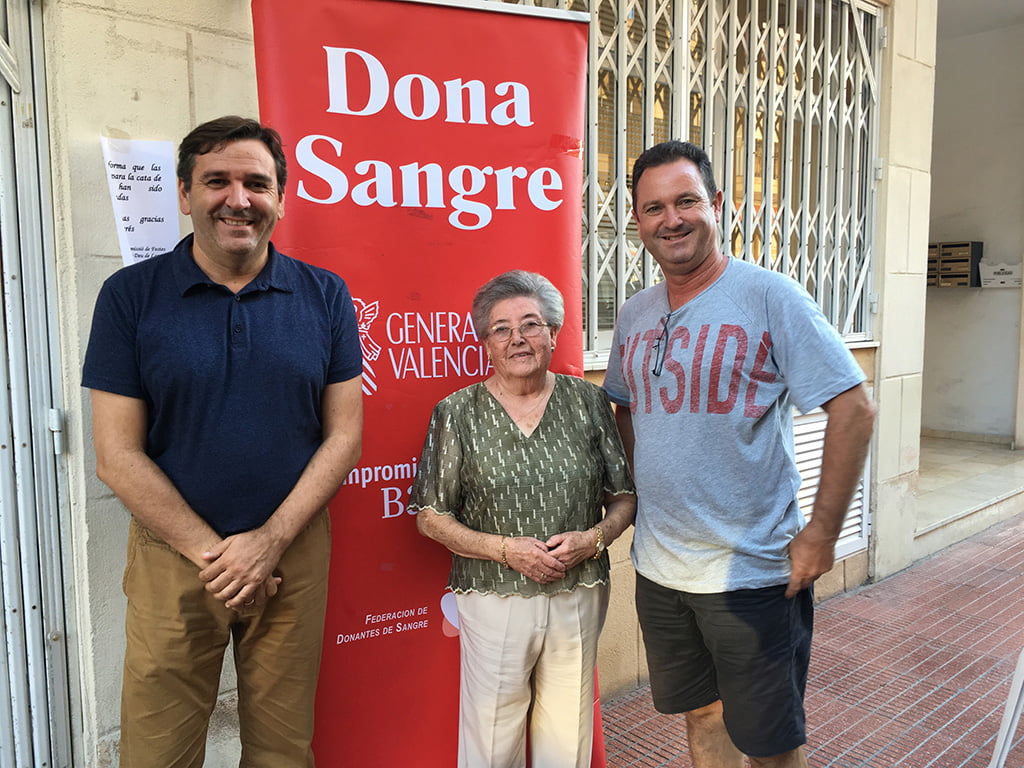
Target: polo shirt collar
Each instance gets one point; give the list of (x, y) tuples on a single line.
[(277, 274)]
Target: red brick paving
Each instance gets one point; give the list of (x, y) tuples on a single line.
[(911, 672)]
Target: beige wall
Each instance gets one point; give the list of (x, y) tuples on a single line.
[(904, 196), (138, 69)]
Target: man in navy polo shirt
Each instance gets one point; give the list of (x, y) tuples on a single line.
[(227, 411)]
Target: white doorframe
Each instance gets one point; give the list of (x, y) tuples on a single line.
[(34, 690)]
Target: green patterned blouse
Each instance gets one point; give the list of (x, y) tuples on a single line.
[(478, 466)]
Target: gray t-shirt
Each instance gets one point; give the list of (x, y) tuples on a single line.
[(714, 458)]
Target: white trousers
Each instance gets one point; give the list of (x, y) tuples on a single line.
[(528, 662)]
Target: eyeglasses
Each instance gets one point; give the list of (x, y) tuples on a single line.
[(527, 330), (661, 346)]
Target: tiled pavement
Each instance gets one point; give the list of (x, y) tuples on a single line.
[(911, 672)]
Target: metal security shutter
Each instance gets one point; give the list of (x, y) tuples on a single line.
[(34, 700), (783, 95), (809, 437)]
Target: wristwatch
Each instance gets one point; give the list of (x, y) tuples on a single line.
[(600, 541)]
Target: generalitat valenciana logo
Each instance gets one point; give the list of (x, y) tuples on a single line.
[(365, 315)]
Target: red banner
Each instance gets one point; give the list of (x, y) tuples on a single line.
[(430, 148)]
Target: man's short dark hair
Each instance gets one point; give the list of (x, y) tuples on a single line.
[(670, 151), (215, 134)]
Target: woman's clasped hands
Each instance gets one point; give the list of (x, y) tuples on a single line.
[(547, 562), (532, 558)]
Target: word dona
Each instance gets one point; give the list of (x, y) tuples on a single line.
[(513, 109), (472, 193)]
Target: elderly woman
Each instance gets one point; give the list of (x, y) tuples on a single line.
[(514, 475)]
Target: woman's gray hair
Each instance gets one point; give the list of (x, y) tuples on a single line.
[(512, 285)]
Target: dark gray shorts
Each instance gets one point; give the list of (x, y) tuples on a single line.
[(750, 648)]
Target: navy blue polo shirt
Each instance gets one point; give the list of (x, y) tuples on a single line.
[(232, 382)]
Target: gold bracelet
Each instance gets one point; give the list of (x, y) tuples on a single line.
[(600, 542), (504, 557)]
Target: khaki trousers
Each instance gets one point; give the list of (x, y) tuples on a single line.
[(528, 663), (176, 637)]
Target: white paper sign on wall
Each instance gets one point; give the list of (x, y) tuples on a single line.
[(143, 192)]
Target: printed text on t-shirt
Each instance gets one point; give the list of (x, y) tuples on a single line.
[(686, 380)]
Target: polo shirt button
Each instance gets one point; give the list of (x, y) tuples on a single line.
[(238, 329)]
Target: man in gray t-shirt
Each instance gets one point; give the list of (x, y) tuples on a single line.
[(705, 370)]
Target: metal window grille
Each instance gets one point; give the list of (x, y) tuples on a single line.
[(782, 94)]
